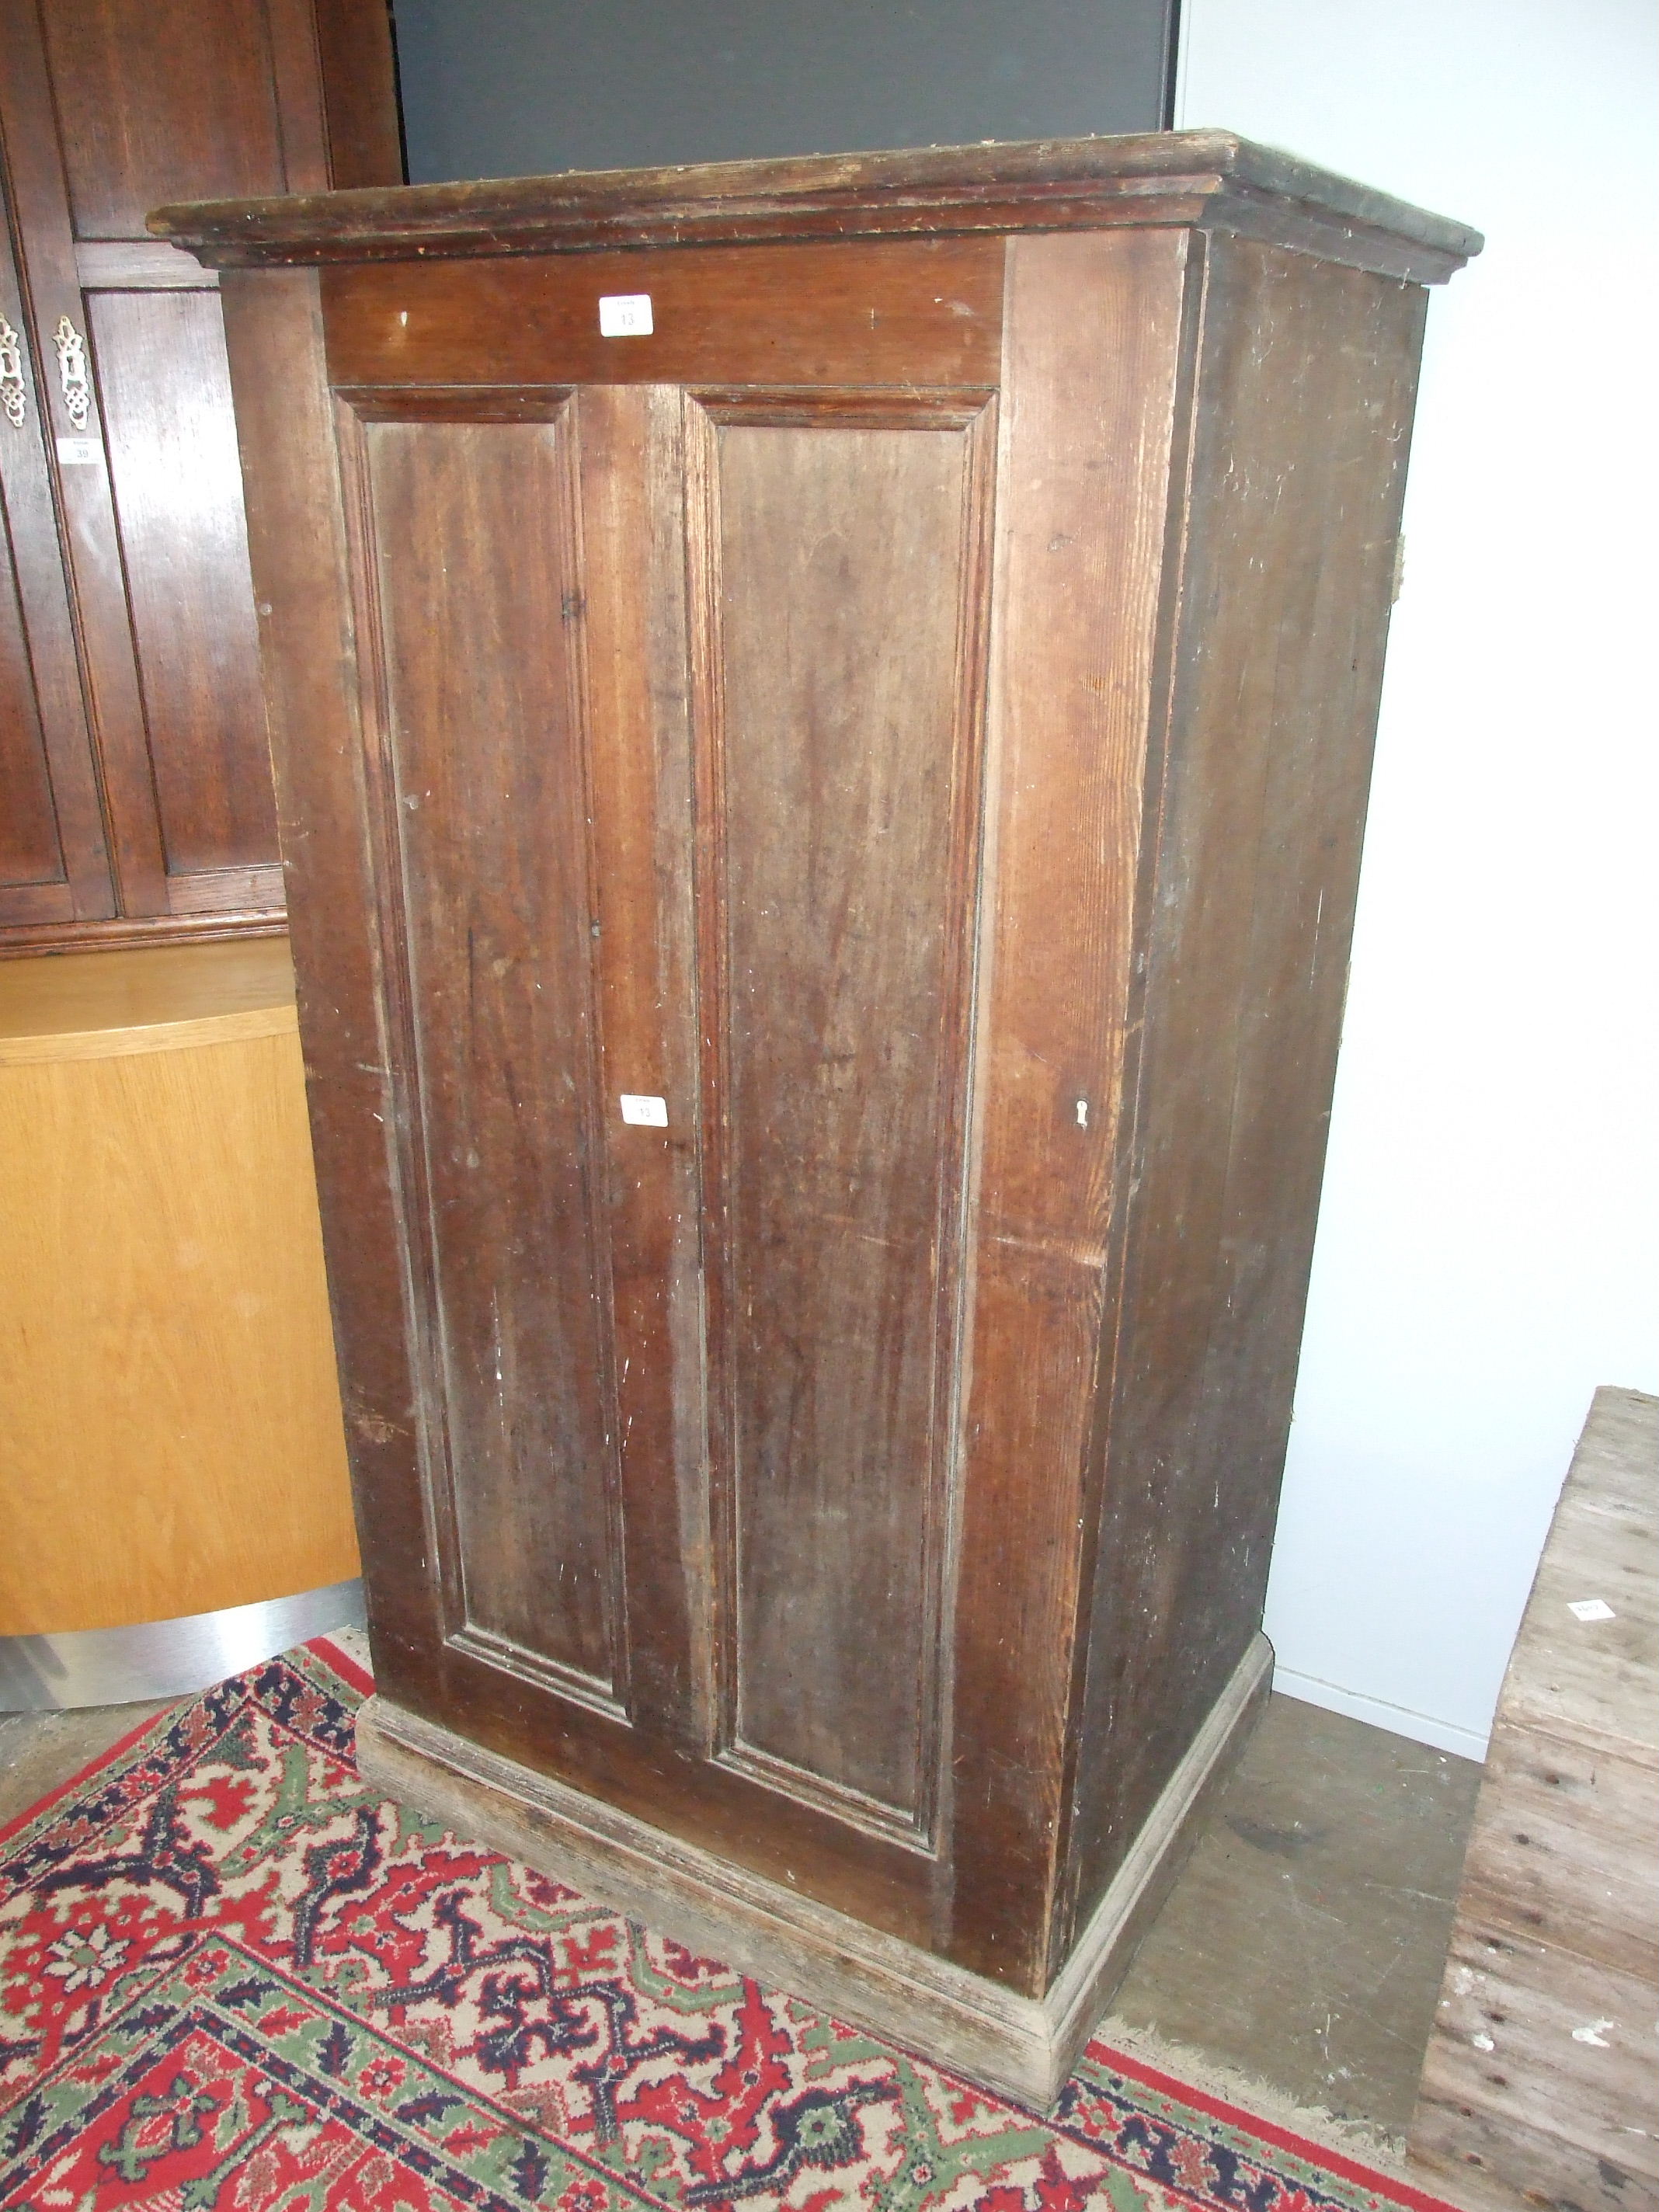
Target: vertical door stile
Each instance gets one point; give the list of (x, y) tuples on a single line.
[(707, 681), (632, 614), (395, 1012), (574, 602), (972, 813), (1088, 431)]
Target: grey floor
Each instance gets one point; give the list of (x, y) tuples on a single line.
[(1301, 1948), (1305, 1941)]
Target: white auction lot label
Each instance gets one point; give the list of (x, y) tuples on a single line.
[(625, 315), (646, 1113)]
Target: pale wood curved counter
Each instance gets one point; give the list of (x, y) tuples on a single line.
[(170, 1436)]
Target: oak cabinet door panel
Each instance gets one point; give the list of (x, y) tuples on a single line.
[(840, 825), (177, 490), (53, 865), (475, 564), (160, 99), (31, 850)]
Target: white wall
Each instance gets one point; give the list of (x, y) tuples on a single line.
[(1488, 1245)]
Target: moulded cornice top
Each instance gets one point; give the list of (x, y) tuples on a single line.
[(1206, 178)]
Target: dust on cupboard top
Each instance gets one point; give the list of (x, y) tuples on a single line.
[(1209, 179)]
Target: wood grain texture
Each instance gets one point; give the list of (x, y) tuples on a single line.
[(177, 491), (87, 551), (140, 991), (1541, 2074), (343, 874), (1515, 2104), (31, 851), (360, 96), (164, 1339), (155, 740), (1195, 177), (214, 926), (108, 264), (1256, 792), (846, 575), (912, 313), (53, 867), (1088, 391), (158, 97), (932, 767), (631, 455), (1590, 1681), (313, 696), (477, 582)]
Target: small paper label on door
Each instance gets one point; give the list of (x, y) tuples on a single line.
[(79, 452), (648, 1113), (1590, 1608), (625, 315)]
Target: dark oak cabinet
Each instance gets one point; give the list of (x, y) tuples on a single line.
[(822, 713), (135, 784)]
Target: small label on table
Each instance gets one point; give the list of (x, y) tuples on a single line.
[(79, 452), (625, 315), (1590, 1608), (648, 1113)]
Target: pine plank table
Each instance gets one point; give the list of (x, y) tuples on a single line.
[(1541, 2082)]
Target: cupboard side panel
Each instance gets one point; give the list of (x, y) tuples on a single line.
[(310, 649), (1303, 411), (1090, 367), (848, 747), (477, 574)]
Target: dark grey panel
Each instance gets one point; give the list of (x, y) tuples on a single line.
[(520, 88)]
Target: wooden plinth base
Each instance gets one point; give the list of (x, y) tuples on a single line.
[(1023, 2047)]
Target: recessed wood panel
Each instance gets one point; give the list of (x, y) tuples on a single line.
[(158, 100), (843, 562), (53, 864), (479, 596), (920, 312), (29, 849), (178, 493)]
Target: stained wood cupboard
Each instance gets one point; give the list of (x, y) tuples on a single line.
[(822, 712), (135, 786)]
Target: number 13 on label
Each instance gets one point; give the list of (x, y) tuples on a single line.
[(625, 315)]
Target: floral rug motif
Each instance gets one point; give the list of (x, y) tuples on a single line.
[(231, 1980)]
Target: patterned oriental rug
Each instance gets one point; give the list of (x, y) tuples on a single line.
[(232, 1981)]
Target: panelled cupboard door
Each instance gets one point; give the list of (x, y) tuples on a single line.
[(53, 865), (676, 776), (106, 109)]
